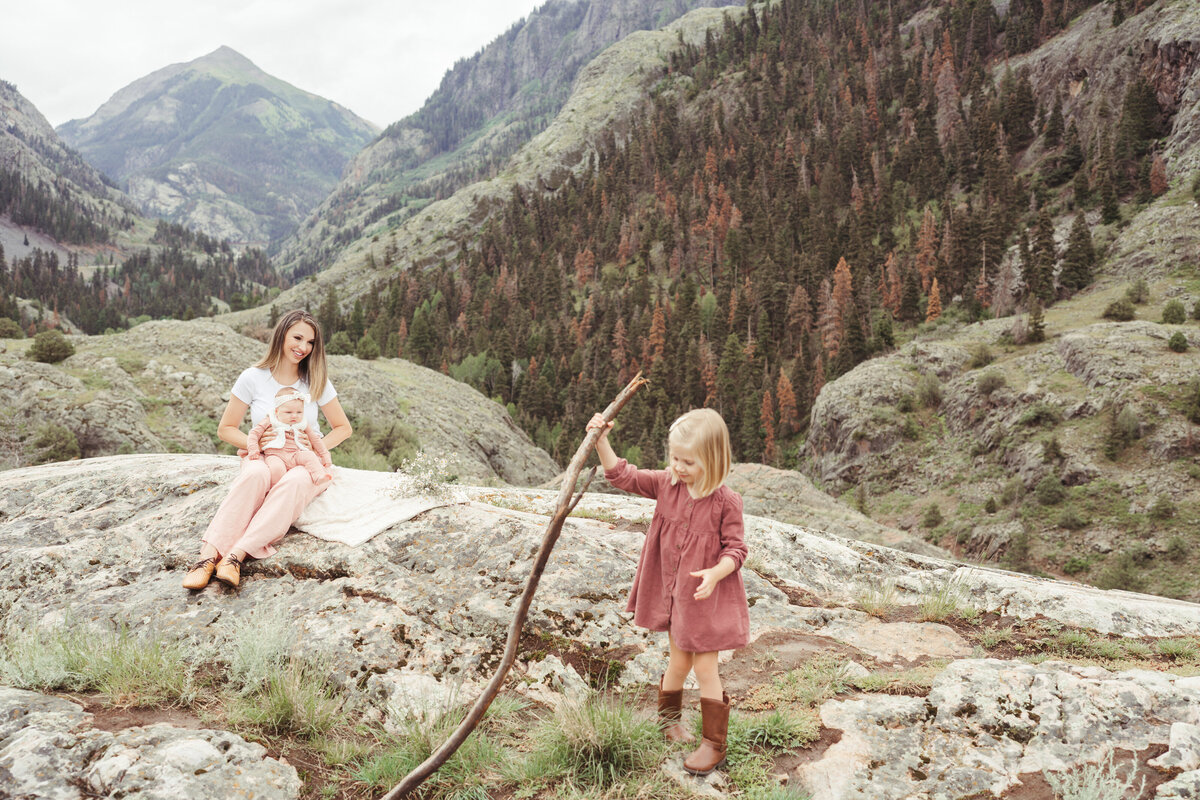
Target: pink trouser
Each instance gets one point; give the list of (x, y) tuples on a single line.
[(255, 514)]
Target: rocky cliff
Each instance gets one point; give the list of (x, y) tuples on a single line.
[(418, 613), (161, 387)]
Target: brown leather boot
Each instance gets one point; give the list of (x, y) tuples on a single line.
[(670, 716), (711, 753), (200, 573), (229, 571)]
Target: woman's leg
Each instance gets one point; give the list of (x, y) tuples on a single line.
[(278, 511), (239, 507), (705, 665), (678, 667)]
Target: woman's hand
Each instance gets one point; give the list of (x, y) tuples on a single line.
[(302, 439), (266, 435)]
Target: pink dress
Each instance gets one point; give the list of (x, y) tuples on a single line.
[(687, 534)]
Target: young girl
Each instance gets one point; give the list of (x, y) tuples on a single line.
[(258, 512), (688, 581)]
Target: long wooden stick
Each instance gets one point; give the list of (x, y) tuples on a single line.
[(566, 504)]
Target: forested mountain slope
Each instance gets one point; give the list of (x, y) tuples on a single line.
[(485, 109)]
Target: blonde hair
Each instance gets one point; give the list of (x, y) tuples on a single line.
[(312, 367), (702, 431)]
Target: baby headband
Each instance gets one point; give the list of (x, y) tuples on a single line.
[(287, 398)]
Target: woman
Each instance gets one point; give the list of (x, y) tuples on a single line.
[(256, 514)]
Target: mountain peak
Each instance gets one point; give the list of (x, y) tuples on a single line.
[(225, 58)]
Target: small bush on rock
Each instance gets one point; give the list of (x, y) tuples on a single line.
[(1049, 491), (55, 442), (1119, 310), (1173, 313), (929, 391), (1178, 343), (50, 347), (1138, 292), (991, 382), (933, 517), (981, 355), (9, 329)]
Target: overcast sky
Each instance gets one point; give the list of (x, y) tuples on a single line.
[(379, 58)]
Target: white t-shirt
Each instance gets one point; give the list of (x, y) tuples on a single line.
[(256, 388)]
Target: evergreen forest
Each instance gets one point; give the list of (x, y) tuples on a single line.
[(805, 187)]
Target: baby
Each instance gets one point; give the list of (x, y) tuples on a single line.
[(284, 451)]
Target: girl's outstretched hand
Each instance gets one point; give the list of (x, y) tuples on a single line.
[(708, 581), (597, 421)]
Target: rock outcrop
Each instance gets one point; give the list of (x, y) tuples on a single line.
[(49, 749), (420, 612), (161, 386)]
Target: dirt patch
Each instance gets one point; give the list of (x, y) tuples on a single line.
[(1034, 786), (795, 595), (600, 668), (109, 718), (814, 751), (777, 652)]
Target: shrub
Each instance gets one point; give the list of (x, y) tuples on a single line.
[(55, 442), (1178, 343), (1012, 490), (50, 347), (1138, 292), (1177, 548), (1049, 490), (980, 355), (1040, 413), (1119, 310), (1173, 313), (1163, 508), (1121, 572), (9, 329), (1123, 428), (1075, 565), (991, 382), (368, 348), (905, 404), (933, 517), (340, 344), (990, 505), (1071, 519), (929, 391)]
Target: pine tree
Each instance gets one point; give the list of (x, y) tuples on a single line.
[(1044, 255), (933, 309), (1079, 257), (910, 298)]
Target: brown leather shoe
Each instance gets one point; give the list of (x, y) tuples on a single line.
[(710, 754), (200, 573), (670, 716), (229, 571)]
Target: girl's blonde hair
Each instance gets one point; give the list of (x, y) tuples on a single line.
[(702, 431), (312, 367)]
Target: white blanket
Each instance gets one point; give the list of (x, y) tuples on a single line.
[(357, 505)]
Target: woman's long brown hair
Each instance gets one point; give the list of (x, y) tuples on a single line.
[(312, 368)]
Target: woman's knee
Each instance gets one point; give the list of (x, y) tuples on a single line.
[(255, 473)]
